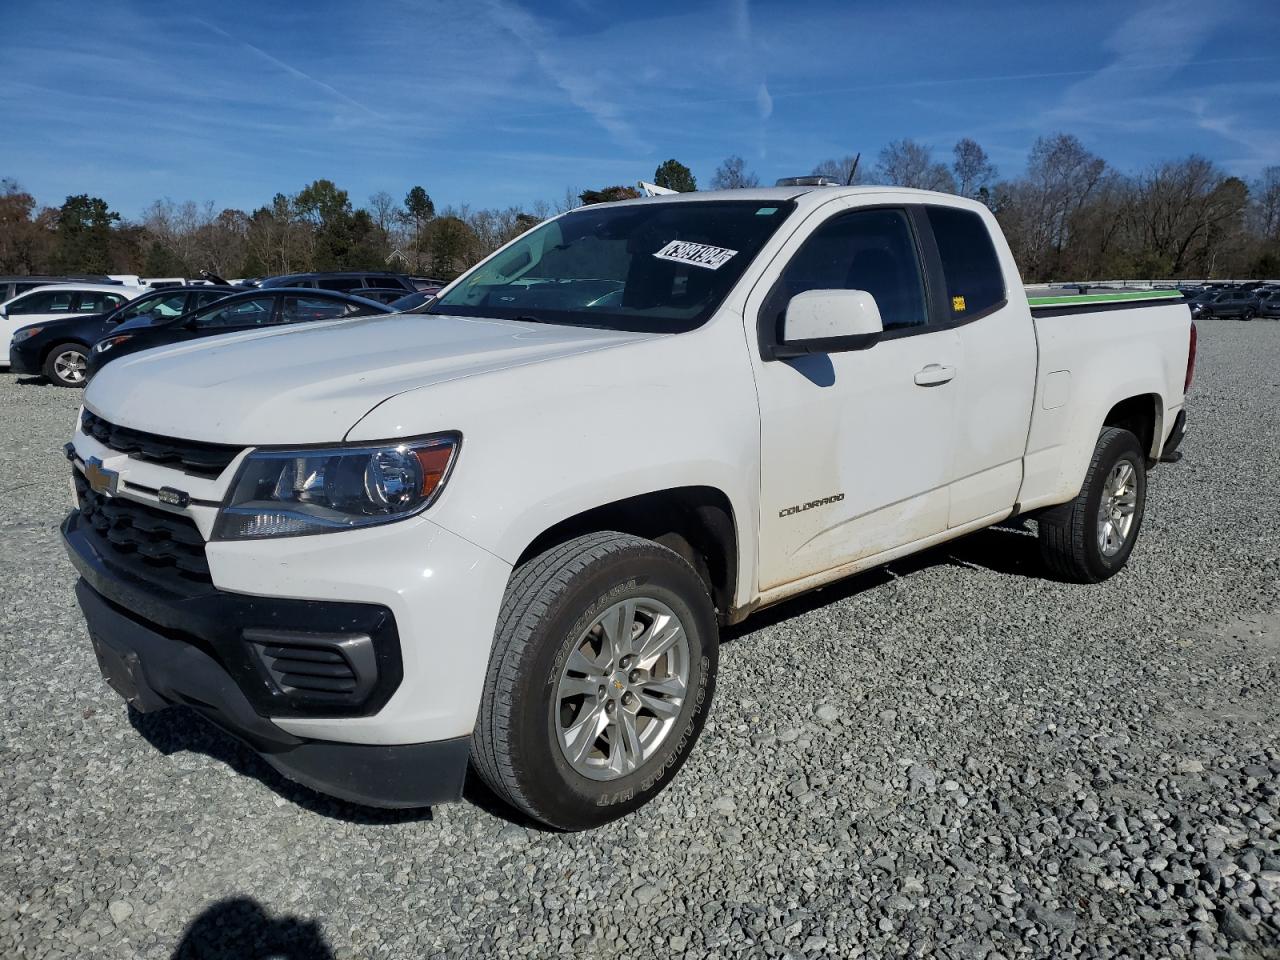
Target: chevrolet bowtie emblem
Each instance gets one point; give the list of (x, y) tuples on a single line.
[(101, 480)]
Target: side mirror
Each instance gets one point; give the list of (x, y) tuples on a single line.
[(829, 321)]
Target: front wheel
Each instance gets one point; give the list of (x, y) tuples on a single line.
[(67, 365), (600, 680), (1090, 538)]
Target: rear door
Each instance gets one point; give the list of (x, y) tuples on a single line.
[(995, 386), (856, 447)]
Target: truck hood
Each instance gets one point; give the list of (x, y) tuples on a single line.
[(312, 383)]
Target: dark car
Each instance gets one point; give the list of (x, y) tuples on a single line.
[(239, 311), (10, 287), (355, 282), (383, 294), (1225, 303), (1269, 303), (59, 349), (429, 285), (412, 302)]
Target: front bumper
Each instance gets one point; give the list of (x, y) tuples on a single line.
[(153, 671), (23, 362)]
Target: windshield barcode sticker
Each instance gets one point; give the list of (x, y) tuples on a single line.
[(696, 254)]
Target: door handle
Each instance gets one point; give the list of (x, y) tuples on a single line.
[(934, 375)]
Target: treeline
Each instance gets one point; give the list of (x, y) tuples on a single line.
[(1069, 215)]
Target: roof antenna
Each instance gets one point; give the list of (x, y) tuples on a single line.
[(853, 170)]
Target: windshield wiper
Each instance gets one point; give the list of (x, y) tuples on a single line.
[(529, 318)]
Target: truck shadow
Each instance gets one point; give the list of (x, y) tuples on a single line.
[(180, 729), (239, 928), (1009, 548)]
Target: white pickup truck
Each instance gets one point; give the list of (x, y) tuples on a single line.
[(501, 535)]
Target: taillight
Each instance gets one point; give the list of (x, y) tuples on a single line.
[(1191, 359)]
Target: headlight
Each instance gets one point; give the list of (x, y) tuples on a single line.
[(289, 493), (102, 346), (26, 333)]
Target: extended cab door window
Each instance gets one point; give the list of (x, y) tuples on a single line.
[(871, 250), (970, 267)]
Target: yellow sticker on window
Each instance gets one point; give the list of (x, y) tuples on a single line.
[(957, 304)]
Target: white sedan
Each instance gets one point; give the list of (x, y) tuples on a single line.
[(57, 301)]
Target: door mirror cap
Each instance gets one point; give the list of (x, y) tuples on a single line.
[(829, 321)]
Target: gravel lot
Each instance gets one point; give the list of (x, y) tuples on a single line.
[(952, 757)]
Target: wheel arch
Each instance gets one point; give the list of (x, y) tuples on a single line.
[(697, 522), (1143, 416)]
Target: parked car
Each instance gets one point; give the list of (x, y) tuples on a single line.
[(507, 537), (248, 310), (428, 285), (383, 294), (351, 281), (1268, 303), (59, 349), (59, 301), (412, 301), (11, 286), (1226, 303)]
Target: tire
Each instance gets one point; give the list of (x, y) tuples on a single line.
[(62, 368), (1072, 535), (1247, 315), (554, 607)]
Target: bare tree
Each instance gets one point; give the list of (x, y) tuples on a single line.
[(1266, 204), (571, 200), (905, 163), (973, 169), (1037, 211), (846, 169), (1185, 210), (175, 225), (733, 175), (385, 211)]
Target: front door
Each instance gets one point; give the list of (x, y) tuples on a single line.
[(856, 447)]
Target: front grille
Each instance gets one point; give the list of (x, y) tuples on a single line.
[(147, 538), (190, 456), (317, 668)]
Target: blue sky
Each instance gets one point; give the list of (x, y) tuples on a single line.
[(501, 102)]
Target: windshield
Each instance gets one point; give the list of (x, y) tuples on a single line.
[(163, 305), (659, 267)]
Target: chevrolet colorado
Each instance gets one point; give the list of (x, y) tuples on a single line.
[(502, 535)]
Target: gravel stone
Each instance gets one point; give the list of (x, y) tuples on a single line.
[(1115, 751)]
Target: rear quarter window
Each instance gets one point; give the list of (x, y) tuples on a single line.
[(970, 266)]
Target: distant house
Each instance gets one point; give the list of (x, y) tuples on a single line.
[(397, 255)]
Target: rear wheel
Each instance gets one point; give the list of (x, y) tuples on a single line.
[(67, 365), (600, 680), (1247, 315), (1090, 538)]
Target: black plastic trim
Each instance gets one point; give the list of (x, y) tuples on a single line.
[(1171, 453), (213, 620), (153, 671), (1080, 309)]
